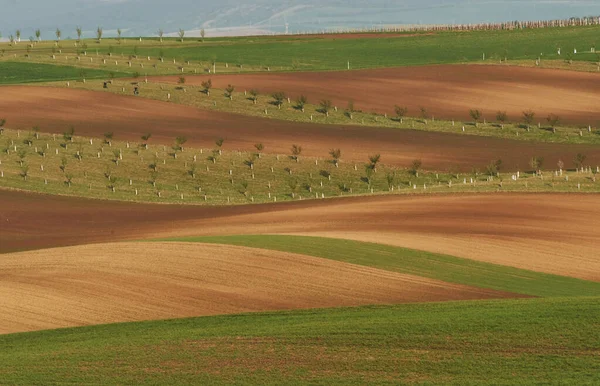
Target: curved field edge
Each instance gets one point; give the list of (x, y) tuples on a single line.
[(478, 342), (21, 73), (419, 263)]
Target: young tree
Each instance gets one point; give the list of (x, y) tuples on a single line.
[(99, 33), (181, 80), (528, 117), (301, 102), (146, 137), (108, 136), (161, 34), (536, 164), (296, 150), (219, 142), (69, 179), (501, 117), (259, 147), (391, 179), (68, 135), (400, 112), (279, 97), (207, 85), (2, 123), (336, 154), (179, 142), (119, 32), (24, 171), (254, 95), (244, 188), (21, 154), (424, 113), (229, 91), (293, 184), (63, 163), (561, 165), (553, 121), (493, 167), (11, 39), (579, 160), (415, 166), (38, 35), (58, 34), (325, 105), (181, 34), (350, 109), (79, 33), (476, 115), (202, 34), (369, 174), (374, 160), (18, 35)]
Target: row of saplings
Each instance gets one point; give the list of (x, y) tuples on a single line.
[(325, 106), (492, 169)]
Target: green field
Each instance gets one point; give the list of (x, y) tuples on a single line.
[(45, 163), (22, 72), (441, 267), (308, 53), (532, 341)]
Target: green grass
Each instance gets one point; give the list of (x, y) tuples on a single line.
[(270, 179), (436, 266), (20, 72), (532, 341), (315, 53)]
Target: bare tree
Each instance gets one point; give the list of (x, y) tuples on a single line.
[(202, 34), (259, 147), (99, 33), (229, 91), (181, 34), (108, 136), (553, 120), (374, 160), (79, 33), (579, 160), (476, 115), (146, 137), (415, 166), (301, 102), (336, 154), (254, 95), (207, 85), (350, 109), (400, 112), (119, 32), (501, 117), (38, 34), (536, 164), (58, 34), (279, 97), (528, 117), (325, 106), (219, 142), (296, 150), (161, 33)]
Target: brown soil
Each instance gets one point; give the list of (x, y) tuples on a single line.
[(110, 283), (553, 233), (447, 91), (94, 113)]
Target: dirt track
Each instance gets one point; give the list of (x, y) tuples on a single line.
[(93, 114), (111, 283), (447, 91), (554, 233)]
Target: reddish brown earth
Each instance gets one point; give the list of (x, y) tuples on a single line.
[(554, 233), (111, 283), (446, 91), (94, 113)]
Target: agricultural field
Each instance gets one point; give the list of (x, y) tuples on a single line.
[(389, 208)]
